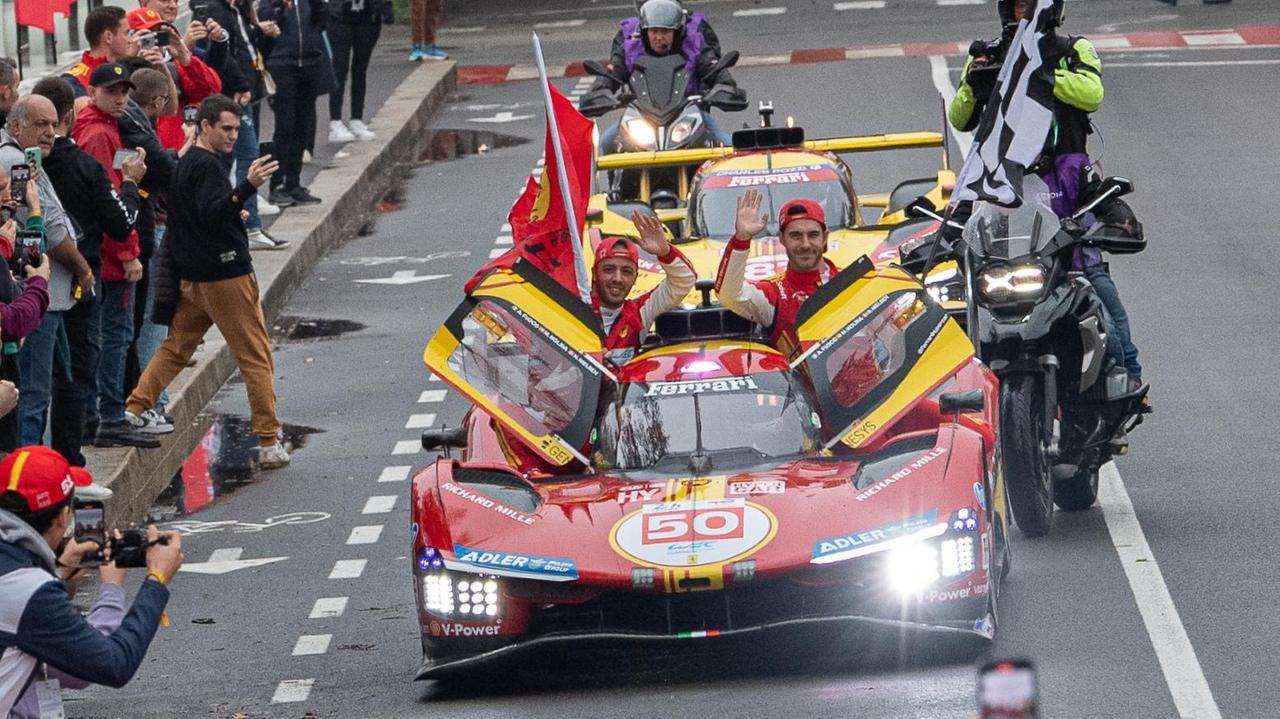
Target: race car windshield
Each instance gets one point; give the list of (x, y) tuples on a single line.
[(716, 204), (740, 421)]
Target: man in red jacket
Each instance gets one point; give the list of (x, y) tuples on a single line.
[(772, 303), (97, 132), (196, 80)]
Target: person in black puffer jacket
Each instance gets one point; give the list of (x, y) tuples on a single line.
[(296, 64)]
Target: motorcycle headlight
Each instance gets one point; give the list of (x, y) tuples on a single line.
[(641, 131), (683, 129), (1001, 285)]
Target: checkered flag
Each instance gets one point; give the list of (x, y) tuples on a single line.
[(1015, 122)]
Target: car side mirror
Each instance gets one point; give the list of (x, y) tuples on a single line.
[(595, 215), (967, 401), (435, 440)]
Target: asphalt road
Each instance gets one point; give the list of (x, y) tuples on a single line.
[(1194, 129)]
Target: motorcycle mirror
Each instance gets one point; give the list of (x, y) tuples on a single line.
[(434, 440), (595, 68), (728, 60), (1114, 240), (966, 401), (922, 207), (1108, 188)]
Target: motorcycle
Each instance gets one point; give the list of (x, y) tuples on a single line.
[(1043, 330), (659, 114)]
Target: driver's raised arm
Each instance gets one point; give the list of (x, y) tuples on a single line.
[(744, 298), (679, 273)]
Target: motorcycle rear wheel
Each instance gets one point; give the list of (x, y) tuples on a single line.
[(1022, 446)]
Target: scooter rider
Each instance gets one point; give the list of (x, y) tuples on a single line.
[(772, 303), (662, 31), (696, 24), (1064, 163)]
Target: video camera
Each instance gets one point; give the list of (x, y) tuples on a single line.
[(128, 550), (982, 76)]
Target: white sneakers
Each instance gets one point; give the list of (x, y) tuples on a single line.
[(266, 209), (273, 457), (149, 423), (260, 240), (339, 132), (357, 130), (361, 131)]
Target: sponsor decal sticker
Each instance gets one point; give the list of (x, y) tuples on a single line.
[(682, 534), (484, 501), (980, 494), (509, 563), (775, 176), (757, 486), (458, 629), (901, 474), (728, 384), (948, 595), (867, 538), (640, 493)]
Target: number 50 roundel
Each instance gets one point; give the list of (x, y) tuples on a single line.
[(688, 534)]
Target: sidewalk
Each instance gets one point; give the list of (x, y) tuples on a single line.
[(350, 182)]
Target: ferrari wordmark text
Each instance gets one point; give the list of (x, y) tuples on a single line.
[(729, 384)]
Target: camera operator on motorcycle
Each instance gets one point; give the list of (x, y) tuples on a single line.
[(663, 30), (1064, 164)]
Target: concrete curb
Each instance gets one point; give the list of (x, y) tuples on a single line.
[(350, 186)]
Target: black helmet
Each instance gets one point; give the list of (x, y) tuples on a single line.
[(662, 14), (1052, 17)]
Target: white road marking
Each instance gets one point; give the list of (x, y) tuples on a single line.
[(435, 377), (501, 117), (756, 12), (503, 240), (379, 504), (460, 30), (292, 690), (497, 252), (401, 277), (559, 23), (1110, 43), (859, 5), (223, 561), (420, 421), (946, 3), (368, 534), (1213, 38), (506, 227), (942, 81), (1191, 694), (312, 644), (329, 607), (1194, 63), (407, 446), (230, 554), (348, 569), (530, 72), (395, 474), (861, 53), (432, 395)]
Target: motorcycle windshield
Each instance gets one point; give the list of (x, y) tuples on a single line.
[(1003, 233), (661, 86)]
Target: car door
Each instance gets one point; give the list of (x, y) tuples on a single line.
[(528, 352), (872, 342)]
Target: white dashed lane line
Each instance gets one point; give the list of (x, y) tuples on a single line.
[(293, 690), (859, 5), (503, 240), (368, 534), (756, 12), (348, 569), (432, 395), (395, 474), (559, 23), (379, 504), (407, 446), (494, 253), (329, 607), (420, 421), (312, 644)]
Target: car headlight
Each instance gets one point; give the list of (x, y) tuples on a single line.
[(911, 569), (683, 129), (1001, 285), (945, 286), (641, 131), (459, 595)]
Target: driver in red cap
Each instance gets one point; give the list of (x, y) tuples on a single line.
[(617, 264), (772, 303)]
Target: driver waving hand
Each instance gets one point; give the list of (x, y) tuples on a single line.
[(772, 303)]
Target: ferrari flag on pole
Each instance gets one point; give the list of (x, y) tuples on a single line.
[(539, 222), (1015, 122)]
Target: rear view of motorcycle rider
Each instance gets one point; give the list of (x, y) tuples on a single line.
[(662, 30), (1064, 164)]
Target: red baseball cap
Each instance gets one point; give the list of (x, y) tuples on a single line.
[(143, 18), (619, 247), (42, 476), (801, 210)]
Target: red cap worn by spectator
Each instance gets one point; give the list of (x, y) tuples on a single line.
[(143, 18), (42, 476), (617, 247), (800, 210)]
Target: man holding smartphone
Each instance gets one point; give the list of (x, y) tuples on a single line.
[(42, 637)]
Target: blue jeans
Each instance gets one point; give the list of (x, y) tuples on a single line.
[(244, 153), (1123, 351), (117, 334), (151, 335), (35, 367)]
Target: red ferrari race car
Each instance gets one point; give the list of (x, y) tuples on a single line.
[(713, 486)]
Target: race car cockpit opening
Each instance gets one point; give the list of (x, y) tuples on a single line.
[(715, 204), (704, 425)]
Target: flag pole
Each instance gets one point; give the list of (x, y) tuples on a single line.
[(575, 232)]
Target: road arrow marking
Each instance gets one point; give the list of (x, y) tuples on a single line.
[(227, 560), (500, 118), (402, 277)]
